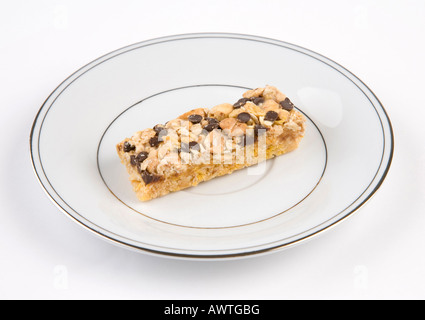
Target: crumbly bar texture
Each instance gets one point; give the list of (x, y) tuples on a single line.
[(202, 144)]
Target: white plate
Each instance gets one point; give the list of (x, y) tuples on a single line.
[(341, 162)]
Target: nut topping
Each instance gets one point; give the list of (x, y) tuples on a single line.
[(221, 111)]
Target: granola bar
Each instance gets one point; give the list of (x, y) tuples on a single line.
[(202, 144)]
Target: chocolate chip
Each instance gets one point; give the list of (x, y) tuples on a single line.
[(258, 100), (193, 145), (147, 177), (271, 116), (142, 156), (244, 117), (128, 147), (212, 124), (158, 128), (162, 134), (195, 118), (205, 131), (154, 141), (259, 129), (212, 120), (246, 140), (138, 159), (133, 160), (184, 147), (241, 102), (139, 169), (286, 104), (210, 127)]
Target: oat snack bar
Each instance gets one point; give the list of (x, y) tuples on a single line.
[(202, 144)]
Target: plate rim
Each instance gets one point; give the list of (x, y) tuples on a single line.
[(348, 74)]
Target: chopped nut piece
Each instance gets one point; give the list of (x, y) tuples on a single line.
[(271, 92), (221, 111), (239, 129), (254, 93), (283, 115), (270, 104), (228, 124), (254, 109), (235, 112)]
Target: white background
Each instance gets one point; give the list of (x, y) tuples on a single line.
[(379, 253)]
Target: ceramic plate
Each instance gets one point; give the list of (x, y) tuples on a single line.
[(341, 162)]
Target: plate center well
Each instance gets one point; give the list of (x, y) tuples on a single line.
[(246, 196)]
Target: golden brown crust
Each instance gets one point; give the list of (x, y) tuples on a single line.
[(205, 143)]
